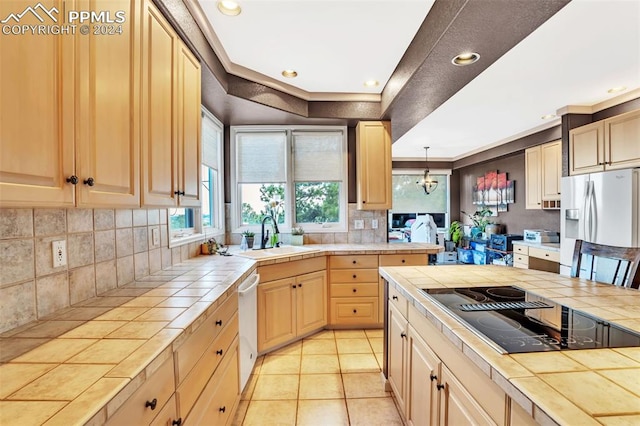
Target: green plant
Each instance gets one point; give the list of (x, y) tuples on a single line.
[(212, 245), (297, 231), (480, 218), (455, 232), (248, 234)]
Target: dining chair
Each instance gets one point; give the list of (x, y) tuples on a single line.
[(606, 264)]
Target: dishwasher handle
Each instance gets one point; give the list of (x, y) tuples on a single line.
[(248, 285)]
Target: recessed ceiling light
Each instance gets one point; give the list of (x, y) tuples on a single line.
[(371, 83), (548, 116), (617, 89), (466, 58), (229, 7), (289, 73)]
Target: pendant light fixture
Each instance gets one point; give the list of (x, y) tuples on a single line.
[(427, 183)]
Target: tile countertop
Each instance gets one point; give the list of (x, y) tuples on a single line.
[(545, 246), (80, 364), (597, 386)]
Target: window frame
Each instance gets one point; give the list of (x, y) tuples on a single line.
[(290, 213), (420, 173), (218, 227)]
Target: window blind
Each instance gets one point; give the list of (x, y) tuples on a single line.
[(261, 157), (211, 142), (317, 156)]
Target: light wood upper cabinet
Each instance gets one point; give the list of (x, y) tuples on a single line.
[(608, 144), (171, 134), (373, 156), (108, 97), (543, 171), (36, 87)]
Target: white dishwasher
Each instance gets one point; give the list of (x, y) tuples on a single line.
[(248, 326)]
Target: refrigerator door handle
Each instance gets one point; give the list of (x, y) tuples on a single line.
[(593, 215), (585, 212)]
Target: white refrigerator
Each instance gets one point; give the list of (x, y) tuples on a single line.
[(601, 208)]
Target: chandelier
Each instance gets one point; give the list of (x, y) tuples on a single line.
[(427, 183)]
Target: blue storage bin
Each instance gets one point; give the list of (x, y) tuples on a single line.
[(465, 256), (479, 257)]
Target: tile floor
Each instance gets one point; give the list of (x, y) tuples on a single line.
[(330, 378)]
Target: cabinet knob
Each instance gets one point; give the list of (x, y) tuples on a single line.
[(403, 335), (177, 422), (355, 311), (433, 377), (73, 179), (300, 285), (403, 260), (394, 297), (219, 322), (363, 201), (219, 352), (222, 409), (151, 404), (89, 181), (440, 387), (354, 262), (293, 286), (354, 290), (179, 192), (354, 276)]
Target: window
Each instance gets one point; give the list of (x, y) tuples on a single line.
[(296, 175), (409, 199)]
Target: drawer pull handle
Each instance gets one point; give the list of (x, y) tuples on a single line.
[(354, 276), (223, 409), (89, 181), (546, 254), (394, 297), (219, 352), (355, 311), (73, 179), (354, 290), (293, 286), (440, 387), (177, 422), (152, 404), (403, 335), (219, 322), (354, 262), (403, 260), (300, 285), (433, 377)]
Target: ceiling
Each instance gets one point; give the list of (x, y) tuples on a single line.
[(586, 48)]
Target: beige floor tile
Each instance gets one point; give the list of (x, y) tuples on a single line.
[(57, 350), (280, 364), (379, 359), (321, 386), (349, 334), (353, 346), (376, 344), (93, 330), (138, 330), (14, 376), (105, 351), (292, 349), (240, 413), (324, 334), (373, 411), (358, 363), (376, 333), (319, 347), (318, 364), (322, 413), (261, 413), (39, 411), (364, 385), (257, 367), (249, 387), (276, 387)]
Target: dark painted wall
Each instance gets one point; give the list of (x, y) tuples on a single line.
[(517, 218)]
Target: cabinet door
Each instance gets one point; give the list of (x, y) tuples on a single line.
[(457, 406), (108, 96), (586, 149), (36, 114), (622, 141), (551, 154), (276, 313), (397, 350), (159, 110), (373, 156), (533, 181), (311, 298), (423, 375), (189, 146)]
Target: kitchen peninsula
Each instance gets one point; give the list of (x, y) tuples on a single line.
[(473, 382)]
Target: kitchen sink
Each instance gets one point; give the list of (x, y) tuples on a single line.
[(275, 252)]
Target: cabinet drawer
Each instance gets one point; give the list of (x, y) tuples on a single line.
[(553, 256), (403, 259), (354, 310), (356, 261), (158, 387), (354, 275), (219, 398), (354, 290), (398, 300), (192, 349), (520, 249), (191, 387)]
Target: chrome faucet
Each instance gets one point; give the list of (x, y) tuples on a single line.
[(264, 238)]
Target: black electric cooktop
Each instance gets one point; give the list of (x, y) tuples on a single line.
[(518, 322)]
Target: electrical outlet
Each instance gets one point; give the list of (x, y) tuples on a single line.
[(59, 251), (358, 224), (374, 223), (155, 237)]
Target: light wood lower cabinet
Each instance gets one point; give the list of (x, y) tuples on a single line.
[(397, 353), (291, 307), (537, 258), (354, 290), (422, 394), (457, 406)]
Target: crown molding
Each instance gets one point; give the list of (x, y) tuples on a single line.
[(591, 109)]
